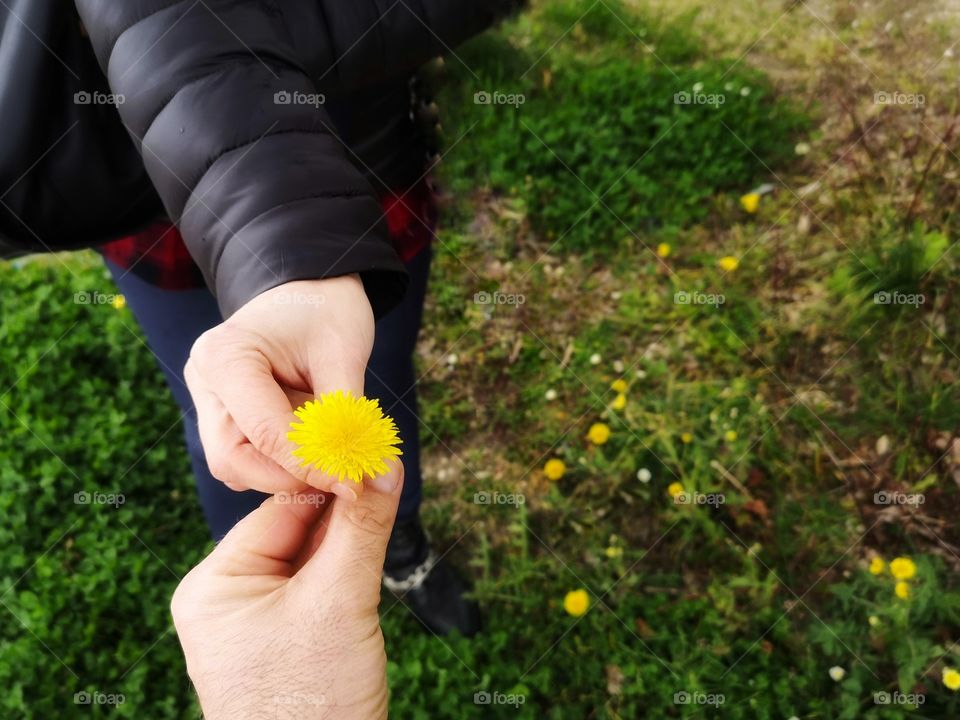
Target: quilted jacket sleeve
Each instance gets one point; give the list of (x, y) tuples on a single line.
[(261, 190)]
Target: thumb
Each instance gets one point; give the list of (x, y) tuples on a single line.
[(269, 540), (355, 541), (345, 373)]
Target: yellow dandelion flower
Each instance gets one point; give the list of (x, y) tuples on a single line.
[(902, 590), (619, 402), (951, 678), (663, 250), (619, 386), (576, 602), (730, 435), (728, 263), (613, 552), (598, 433), (554, 469), (344, 436), (902, 568), (686, 438), (119, 302), (675, 489), (877, 565), (750, 202)]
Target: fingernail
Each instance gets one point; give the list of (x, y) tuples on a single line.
[(385, 484), (344, 491)]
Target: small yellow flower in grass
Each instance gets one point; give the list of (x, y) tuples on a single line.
[(873, 621), (686, 438), (877, 565), (344, 436), (613, 552), (750, 202), (663, 250), (730, 435), (675, 489), (902, 590), (902, 568), (619, 386), (119, 302), (951, 678), (576, 602), (619, 402), (554, 469), (598, 433), (728, 263), (837, 673)]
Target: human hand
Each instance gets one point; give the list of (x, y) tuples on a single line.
[(286, 346), (280, 620)]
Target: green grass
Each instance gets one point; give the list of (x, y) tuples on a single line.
[(86, 587), (601, 149), (831, 397)]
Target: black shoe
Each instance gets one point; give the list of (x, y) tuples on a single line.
[(430, 588)]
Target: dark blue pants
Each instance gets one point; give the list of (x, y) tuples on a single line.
[(173, 319)]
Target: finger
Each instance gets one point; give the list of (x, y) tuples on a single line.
[(242, 379), (346, 373), (296, 398), (230, 457), (338, 363), (269, 540), (357, 533), (264, 452)]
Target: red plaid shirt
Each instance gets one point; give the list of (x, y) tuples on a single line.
[(159, 256)]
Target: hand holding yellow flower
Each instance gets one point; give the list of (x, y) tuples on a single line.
[(344, 436)]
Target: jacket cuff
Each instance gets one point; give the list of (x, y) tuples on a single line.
[(286, 244)]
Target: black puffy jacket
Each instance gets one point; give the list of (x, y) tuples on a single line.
[(218, 98)]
